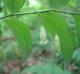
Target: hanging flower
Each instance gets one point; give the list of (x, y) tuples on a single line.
[(57, 42), (43, 37)]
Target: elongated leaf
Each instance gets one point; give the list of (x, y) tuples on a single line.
[(73, 3), (77, 21), (58, 3), (21, 33), (47, 26), (55, 23), (14, 5)]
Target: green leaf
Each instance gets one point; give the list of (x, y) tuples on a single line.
[(55, 23), (21, 33), (47, 68), (58, 3), (14, 5), (73, 3), (77, 22)]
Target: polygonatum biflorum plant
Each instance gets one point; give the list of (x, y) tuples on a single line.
[(53, 21)]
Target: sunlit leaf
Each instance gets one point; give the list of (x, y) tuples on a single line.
[(73, 3), (14, 5), (55, 24), (21, 33)]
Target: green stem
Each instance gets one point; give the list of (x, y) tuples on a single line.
[(39, 11)]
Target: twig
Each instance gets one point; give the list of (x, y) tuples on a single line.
[(39, 11)]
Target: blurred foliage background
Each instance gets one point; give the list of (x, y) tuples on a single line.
[(45, 57)]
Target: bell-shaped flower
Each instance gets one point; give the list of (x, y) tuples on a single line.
[(43, 36)]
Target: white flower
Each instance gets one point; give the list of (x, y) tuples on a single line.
[(57, 42), (43, 37)]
